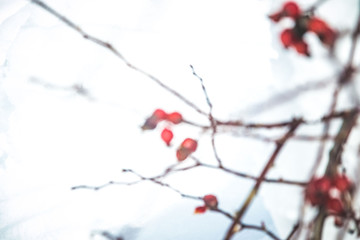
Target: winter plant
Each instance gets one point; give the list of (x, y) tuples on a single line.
[(329, 194)]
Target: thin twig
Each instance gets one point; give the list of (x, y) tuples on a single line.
[(211, 117), (112, 49), (99, 187), (142, 178)]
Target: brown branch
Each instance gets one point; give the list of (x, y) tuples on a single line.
[(325, 118), (239, 123), (142, 178), (248, 176), (261, 228), (332, 167), (354, 43), (293, 231), (255, 189), (298, 137), (112, 49), (326, 129), (243, 226)]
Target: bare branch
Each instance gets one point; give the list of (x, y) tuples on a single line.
[(261, 178), (211, 118), (112, 49)]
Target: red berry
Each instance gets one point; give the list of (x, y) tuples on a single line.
[(342, 183), (167, 135), (291, 9), (150, 123), (323, 184), (302, 48), (187, 147), (175, 118), (326, 35), (287, 37), (317, 191), (334, 205), (159, 114), (200, 210), (210, 201), (182, 153), (190, 144)]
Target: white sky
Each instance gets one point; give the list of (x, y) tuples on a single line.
[(51, 140)]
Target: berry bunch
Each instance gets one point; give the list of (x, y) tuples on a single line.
[(329, 192), (210, 202), (304, 22), (160, 115), (187, 147)]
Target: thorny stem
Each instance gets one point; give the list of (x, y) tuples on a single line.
[(261, 178)]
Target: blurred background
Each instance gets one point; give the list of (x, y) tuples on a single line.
[(71, 113)]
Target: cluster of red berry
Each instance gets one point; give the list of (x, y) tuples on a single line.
[(187, 147), (210, 202), (304, 22), (329, 192)]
